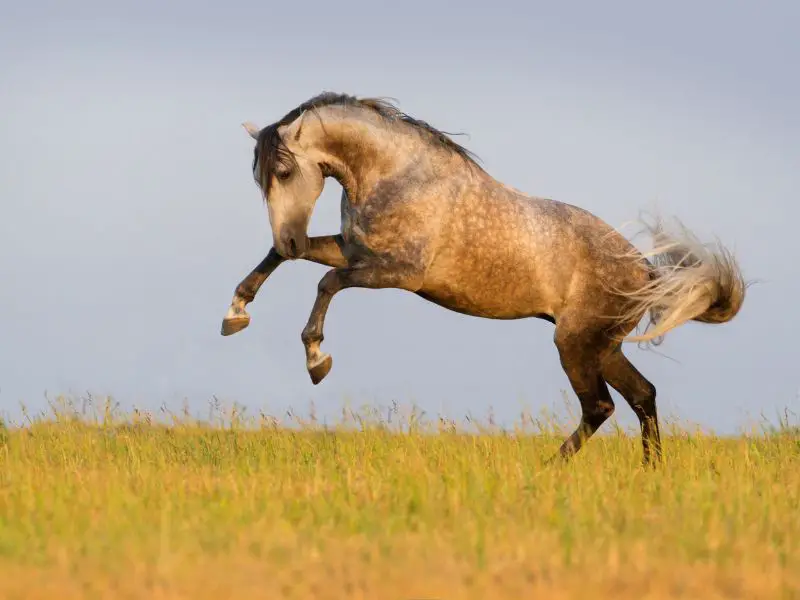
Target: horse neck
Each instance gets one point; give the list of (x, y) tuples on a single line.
[(364, 151)]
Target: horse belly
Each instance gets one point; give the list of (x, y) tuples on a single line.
[(492, 286)]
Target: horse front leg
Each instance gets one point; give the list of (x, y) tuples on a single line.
[(373, 277), (325, 250)]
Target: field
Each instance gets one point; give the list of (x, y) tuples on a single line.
[(388, 506)]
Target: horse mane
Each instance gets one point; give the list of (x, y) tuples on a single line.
[(271, 151)]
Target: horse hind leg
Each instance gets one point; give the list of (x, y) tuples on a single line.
[(581, 349), (640, 394)]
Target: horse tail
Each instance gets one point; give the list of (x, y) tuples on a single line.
[(689, 281)]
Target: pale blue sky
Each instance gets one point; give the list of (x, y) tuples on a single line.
[(129, 214)]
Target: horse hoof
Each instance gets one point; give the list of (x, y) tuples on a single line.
[(320, 369), (231, 325)]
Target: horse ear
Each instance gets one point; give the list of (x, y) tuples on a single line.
[(251, 129)]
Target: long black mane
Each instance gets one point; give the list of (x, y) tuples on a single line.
[(271, 151)]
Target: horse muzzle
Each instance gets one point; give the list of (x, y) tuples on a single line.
[(292, 245)]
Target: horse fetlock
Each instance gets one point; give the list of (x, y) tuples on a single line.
[(311, 336), (244, 295)]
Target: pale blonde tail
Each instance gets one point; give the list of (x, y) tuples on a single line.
[(690, 281)]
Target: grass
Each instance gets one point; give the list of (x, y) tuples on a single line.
[(128, 507)]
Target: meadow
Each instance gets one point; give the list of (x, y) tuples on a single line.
[(388, 504)]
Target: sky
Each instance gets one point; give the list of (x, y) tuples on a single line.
[(128, 212)]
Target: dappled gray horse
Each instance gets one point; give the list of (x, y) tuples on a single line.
[(419, 214)]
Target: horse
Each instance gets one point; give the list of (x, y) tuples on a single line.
[(419, 213)]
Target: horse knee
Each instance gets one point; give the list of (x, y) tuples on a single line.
[(330, 283), (644, 399), (649, 394), (599, 412)]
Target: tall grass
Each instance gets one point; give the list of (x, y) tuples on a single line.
[(388, 504)]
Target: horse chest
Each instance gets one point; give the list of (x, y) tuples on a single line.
[(352, 228), (361, 227), (369, 236)]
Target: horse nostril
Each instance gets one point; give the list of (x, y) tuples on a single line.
[(292, 246)]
